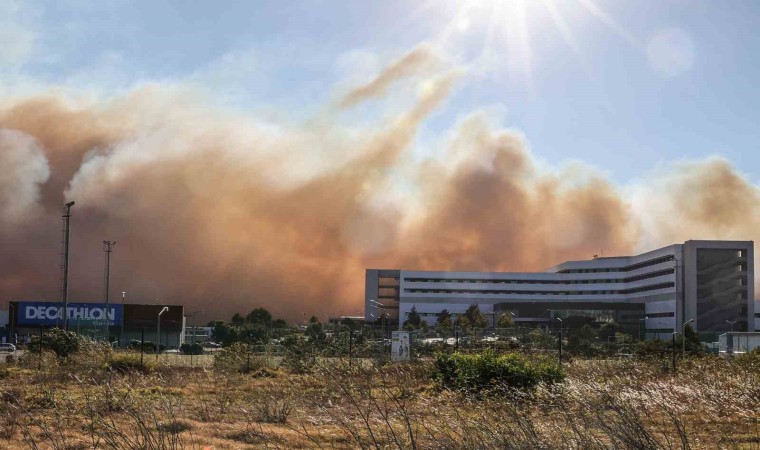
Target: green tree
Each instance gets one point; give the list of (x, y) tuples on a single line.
[(259, 315), (63, 343), (279, 323), (505, 321), (223, 333), (237, 319), (350, 323), (541, 339), (443, 322), (584, 341), (316, 334), (472, 318), (252, 333), (413, 320), (693, 345)]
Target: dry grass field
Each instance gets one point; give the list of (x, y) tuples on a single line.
[(85, 403)]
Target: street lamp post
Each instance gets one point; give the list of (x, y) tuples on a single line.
[(121, 335), (683, 337), (645, 325), (379, 306), (731, 322), (158, 329)]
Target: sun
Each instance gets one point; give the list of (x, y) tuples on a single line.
[(507, 27)]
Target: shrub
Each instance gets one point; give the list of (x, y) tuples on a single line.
[(147, 346), (62, 343), (270, 404), (299, 357), (191, 349), (475, 372), (750, 361), (125, 363), (173, 426), (237, 358), (653, 348)]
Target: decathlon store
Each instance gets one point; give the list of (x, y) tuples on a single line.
[(125, 322)]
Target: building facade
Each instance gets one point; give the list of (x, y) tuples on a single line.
[(707, 284), (125, 322)]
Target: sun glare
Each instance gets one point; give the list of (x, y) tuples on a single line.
[(507, 28)]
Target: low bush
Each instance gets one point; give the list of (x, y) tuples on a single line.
[(270, 404), (191, 349), (749, 361), (147, 346), (125, 363), (173, 426), (299, 356), (62, 343), (487, 370), (238, 358)]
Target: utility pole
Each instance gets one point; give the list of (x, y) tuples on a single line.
[(65, 287), (108, 248)]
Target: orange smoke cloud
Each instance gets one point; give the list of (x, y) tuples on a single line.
[(225, 212)]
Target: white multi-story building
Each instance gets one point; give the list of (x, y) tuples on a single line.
[(707, 284)]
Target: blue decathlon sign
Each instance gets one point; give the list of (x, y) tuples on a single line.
[(80, 314)]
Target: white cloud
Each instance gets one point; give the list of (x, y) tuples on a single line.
[(24, 168)]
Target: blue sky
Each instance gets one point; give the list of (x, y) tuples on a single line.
[(639, 85)]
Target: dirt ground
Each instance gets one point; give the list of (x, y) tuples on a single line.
[(709, 403)]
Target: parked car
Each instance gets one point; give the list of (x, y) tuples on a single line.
[(7, 348), (210, 344)]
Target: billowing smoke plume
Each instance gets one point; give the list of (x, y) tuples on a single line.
[(226, 212)]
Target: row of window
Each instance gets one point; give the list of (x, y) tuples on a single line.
[(500, 292), (650, 262), (491, 281), (663, 314)]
